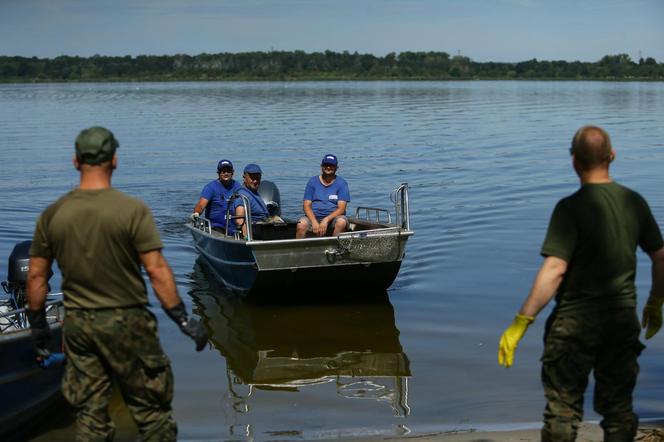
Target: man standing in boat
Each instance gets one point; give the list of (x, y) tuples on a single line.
[(325, 199), (251, 180), (100, 237), (590, 266), (215, 196)]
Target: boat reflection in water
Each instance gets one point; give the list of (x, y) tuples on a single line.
[(290, 346)]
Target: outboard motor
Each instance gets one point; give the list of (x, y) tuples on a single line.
[(270, 194), (17, 272)]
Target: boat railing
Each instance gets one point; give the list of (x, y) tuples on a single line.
[(15, 319), (202, 223), (246, 216), (399, 197), (373, 214), (205, 225)]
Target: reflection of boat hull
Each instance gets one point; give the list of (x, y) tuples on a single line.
[(288, 345), (353, 343), (25, 388)]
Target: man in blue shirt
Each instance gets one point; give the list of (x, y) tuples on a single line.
[(215, 196), (325, 200), (252, 179)]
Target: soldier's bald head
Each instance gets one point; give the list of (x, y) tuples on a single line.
[(591, 147)]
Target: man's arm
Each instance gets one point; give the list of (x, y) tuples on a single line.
[(200, 206), (546, 284), (309, 213), (657, 258), (544, 288), (239, 219), (37, 284), (36, 292), (652, 312), (161, 278), (163, 283)]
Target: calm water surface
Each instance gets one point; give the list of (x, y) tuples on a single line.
[(486, 162)]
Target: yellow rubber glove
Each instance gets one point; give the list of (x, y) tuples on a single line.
[(652, 316), (511, 337)]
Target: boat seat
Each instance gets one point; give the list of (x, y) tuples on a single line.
[(273, 231)]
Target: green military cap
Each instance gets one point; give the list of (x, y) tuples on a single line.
[(95, 145)]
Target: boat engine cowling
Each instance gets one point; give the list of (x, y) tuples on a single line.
[(17, 270), (270, 194), (19, 263)]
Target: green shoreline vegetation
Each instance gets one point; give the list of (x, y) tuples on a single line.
[(328, 65)]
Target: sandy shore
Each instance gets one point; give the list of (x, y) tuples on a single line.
[(650, 432)]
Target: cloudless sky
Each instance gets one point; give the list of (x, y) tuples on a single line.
[(484, 30)]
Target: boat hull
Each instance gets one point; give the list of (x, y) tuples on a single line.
[(26, 388), (351, 261)]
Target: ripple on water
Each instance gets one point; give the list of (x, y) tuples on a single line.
[(486, 162)]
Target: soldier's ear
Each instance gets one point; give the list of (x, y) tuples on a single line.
[(77, 165), (612, 156)]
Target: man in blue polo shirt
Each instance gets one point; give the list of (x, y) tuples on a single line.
[(252, 179), (215, 196), (325, 199)]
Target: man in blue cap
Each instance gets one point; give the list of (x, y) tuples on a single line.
[(215, 196), (325, 199), (252, 179)]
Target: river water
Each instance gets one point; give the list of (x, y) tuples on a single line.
[(486, 162)]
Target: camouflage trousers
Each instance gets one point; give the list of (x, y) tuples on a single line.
[(118, 345), (605, 342)]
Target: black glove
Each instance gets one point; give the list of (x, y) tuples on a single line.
[(189, 327), (41, 334)]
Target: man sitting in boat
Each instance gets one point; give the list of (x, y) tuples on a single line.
[(215, 196), (325, 199), (252, 179)]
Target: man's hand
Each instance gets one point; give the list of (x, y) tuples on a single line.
[(189, 327), (652, 316), (322, 226), (194, 216), (511, 337), (315, 227), (41, 334)]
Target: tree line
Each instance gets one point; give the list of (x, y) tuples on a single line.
[(328, 65)]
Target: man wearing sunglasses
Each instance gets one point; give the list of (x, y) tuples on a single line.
[(251, 181), (325, 199), (215, 196)]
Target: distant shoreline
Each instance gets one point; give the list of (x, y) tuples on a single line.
[(317, 66), (340, 80)]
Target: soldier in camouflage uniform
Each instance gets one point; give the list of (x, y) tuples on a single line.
[(590, 265), (100, 238)]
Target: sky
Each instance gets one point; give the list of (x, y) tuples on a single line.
[(484, 30)]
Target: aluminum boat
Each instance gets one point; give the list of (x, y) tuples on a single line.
[(367, 256)]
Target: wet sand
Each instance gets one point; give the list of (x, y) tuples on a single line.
[(649, 432)]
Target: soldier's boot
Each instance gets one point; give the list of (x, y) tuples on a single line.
[(559, 431)]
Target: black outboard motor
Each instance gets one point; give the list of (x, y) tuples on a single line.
[(17, 274), (17, 271), (270, 194)]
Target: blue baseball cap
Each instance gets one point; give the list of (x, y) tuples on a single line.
[(252, 168), (224, 163), (329, 159)]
